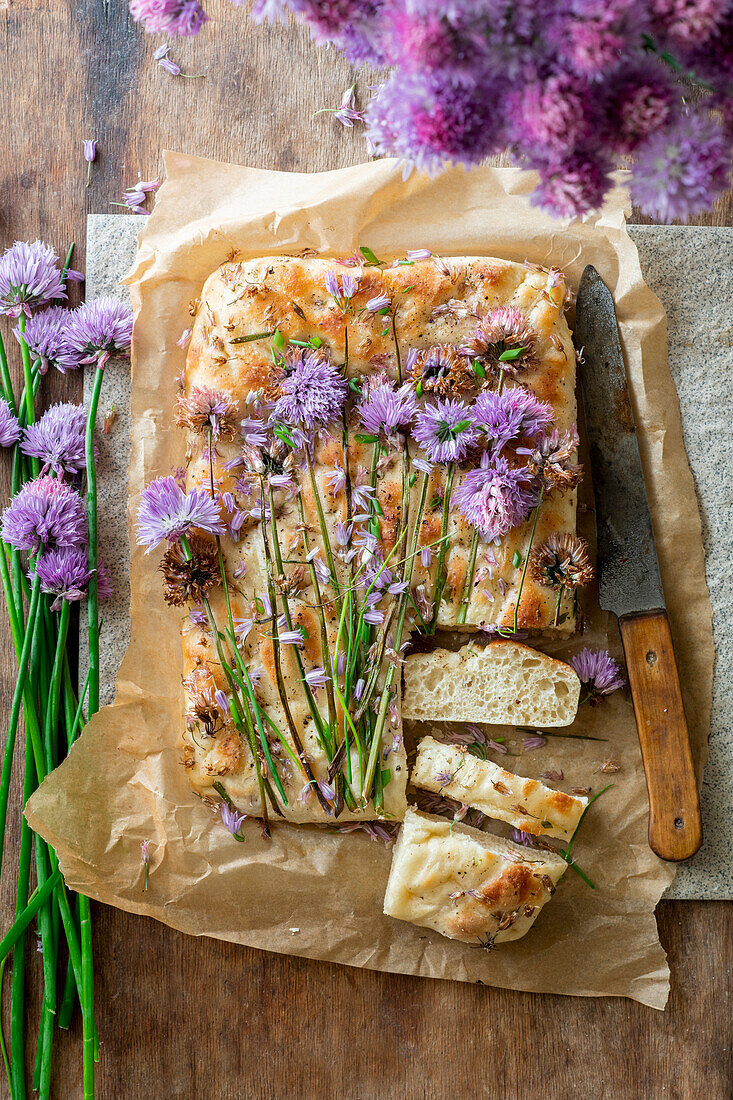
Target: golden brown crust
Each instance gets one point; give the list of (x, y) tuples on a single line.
[(438, 303)]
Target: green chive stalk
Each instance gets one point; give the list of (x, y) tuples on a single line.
[(526, 557), (468, 583), (17, 995), (324, 531), (375, 747), (440, 576)]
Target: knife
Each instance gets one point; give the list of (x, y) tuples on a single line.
[(629, 583)]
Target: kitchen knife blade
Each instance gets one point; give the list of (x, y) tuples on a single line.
[(629, 582)]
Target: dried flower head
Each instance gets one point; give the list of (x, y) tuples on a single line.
[(505, 339), (201, 706), (29, 278), (45, 514), (190, 579), (598, 671), (562, 561), (441, 370), (341, 293), (206, 409), (550, 461)]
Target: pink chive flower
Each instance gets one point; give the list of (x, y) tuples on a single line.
[(177, 17), (534, 741), (508, 416), (29, 278)]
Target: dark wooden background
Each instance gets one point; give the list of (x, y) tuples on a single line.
[(180, 1017)]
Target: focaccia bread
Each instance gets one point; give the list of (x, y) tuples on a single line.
[(524, 803), (467, 884), (242, 306), (504, 683)]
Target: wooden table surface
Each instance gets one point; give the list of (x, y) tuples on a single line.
[(180, 1017)]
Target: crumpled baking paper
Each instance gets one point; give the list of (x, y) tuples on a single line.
[(311, 891)]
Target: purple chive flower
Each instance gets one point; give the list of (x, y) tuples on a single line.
[(343, 293), (29, 278), (445, 431), (96, 331), (184, 338), (327, 790), (429, 119), (45, 336), (64, 573), (414, 254), (312, 393), (426, 556), (290, 637), (221, 700), (374, 616), (375, 830), (337, 478), (316, 677), (469, 735), (45, 514), (359, 689), (383, 408), (179, 17), (346, 113), (571, 187), (167, 513), (598, 671), (9, 426), (90, 154), (681, 169), (254, 432), (422, 465), (495, 498), (520, 837), (379, 301), (231, 819), (534, 741), (165, 62), (57, 439), (510, 415)]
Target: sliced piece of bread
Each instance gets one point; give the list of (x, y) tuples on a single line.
[(524, 803), (466, 884), (503, 683)]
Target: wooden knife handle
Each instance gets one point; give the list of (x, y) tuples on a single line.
[(675, 828)]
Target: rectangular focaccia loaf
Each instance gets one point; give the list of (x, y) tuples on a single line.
[(466, 884), (524, 803), (438, 302), (503, 683)]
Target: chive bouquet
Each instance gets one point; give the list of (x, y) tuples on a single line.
[(49, 565), (303, 477)]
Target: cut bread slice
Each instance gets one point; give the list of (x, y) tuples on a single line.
[(503, 683), (524, 803), (467, 884)]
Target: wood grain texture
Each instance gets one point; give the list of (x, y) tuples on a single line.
[(186, 1018), (675, 828)]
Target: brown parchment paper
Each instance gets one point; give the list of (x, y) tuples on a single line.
[(309, 891)]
